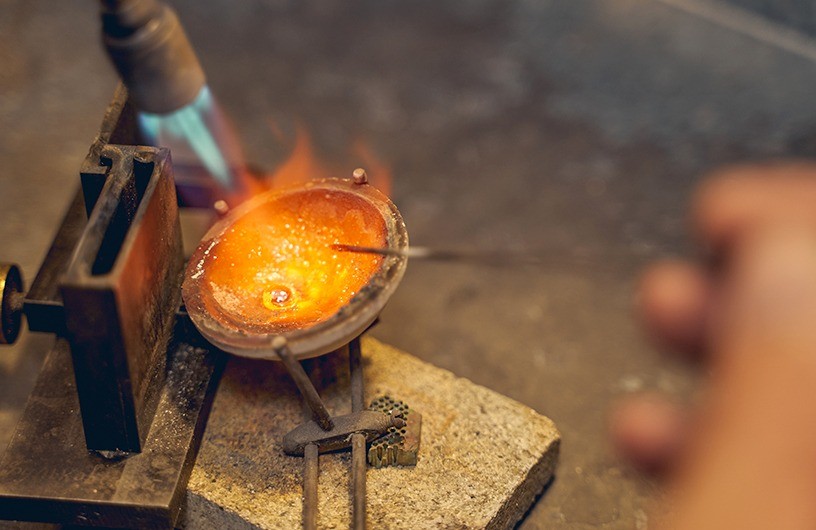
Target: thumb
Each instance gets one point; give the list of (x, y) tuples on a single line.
[(768, 302), (751, 463)]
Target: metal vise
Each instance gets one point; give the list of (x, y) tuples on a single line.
[(110, 432)]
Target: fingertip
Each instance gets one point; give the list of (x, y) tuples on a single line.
[(732, 200), (672, 300), (648, 430), (718, 200)]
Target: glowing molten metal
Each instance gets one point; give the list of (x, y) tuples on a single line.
[(274, 270)]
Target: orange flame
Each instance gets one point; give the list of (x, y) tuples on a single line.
[(301, 166), (304, 163)]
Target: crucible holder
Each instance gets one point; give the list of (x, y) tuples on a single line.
[(110, 433)]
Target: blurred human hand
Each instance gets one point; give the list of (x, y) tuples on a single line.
[(745, 457)]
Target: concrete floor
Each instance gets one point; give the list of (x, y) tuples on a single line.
[(577, 127)]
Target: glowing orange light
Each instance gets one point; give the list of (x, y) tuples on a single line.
[(274, 270), (304, 163), (301, 165)]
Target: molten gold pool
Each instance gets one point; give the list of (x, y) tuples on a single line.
[(270, 268)]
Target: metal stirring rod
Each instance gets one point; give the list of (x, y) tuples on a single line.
[(490, 257)]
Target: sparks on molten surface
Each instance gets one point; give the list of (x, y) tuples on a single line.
[(274, 269)]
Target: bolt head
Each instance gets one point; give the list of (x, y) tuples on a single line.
[(359, 175)]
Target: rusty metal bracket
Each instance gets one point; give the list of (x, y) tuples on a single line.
[(369, 423), (121, 292), (109, 290)]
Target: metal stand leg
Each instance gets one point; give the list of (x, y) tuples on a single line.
[(318, 411), (314, 408), (358, 441), (308, 391), (310, 472)]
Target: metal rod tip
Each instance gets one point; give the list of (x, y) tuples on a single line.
[(221, 207), (360, 176)]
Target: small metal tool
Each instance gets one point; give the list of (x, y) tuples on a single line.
[(473, 255)]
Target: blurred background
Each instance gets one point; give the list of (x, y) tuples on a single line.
[(575, 127)]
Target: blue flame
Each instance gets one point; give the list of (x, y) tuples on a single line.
[(193, 129)]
